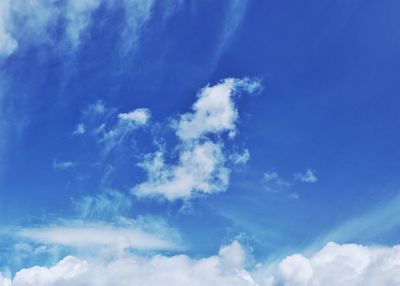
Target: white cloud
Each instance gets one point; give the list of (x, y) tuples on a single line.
[(78, 16), (109, 128), (240, 159), (130, 234), (4, 281), (137, 14), (344, 265), (80, 129), (226, 268), (200, 170), (272, 182), (7, 43), (201, 166), (138, 116), (63, 165), (334, 264), (214, 111), (105, 205), (26, 23), (308, 176)]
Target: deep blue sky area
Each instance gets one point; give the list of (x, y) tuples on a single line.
[(328, 104)]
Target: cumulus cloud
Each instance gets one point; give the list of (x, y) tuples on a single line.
[(345, 265), (308, 176), (214, 111), (226, 268), (334, 264), (138, 116), (201, 166)]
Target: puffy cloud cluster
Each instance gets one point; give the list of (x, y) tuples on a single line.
[(201, 166), (138, 116), (308, 176), (226, 268), (344, 265)]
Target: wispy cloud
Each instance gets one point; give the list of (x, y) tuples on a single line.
[(98, 235), (63, 165), (272, 182), (309, 176), (40, 17)]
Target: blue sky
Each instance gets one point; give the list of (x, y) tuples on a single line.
[(242, 135)]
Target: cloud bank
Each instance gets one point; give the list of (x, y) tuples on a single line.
[(344, 265)]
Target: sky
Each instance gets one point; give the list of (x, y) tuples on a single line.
[(178, 142)]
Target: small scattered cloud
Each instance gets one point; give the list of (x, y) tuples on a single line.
[(240, 158), (272, 182), (63, 165), (138, 116), (109, 128), (309, 176), (215, 110), (28, 23), (80, 129)]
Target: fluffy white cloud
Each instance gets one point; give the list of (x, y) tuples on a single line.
[(200, 169), (201, 165), (4, 281), (344, 265), (214, 111), (308, 176), (138, 116), (226, 268)]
